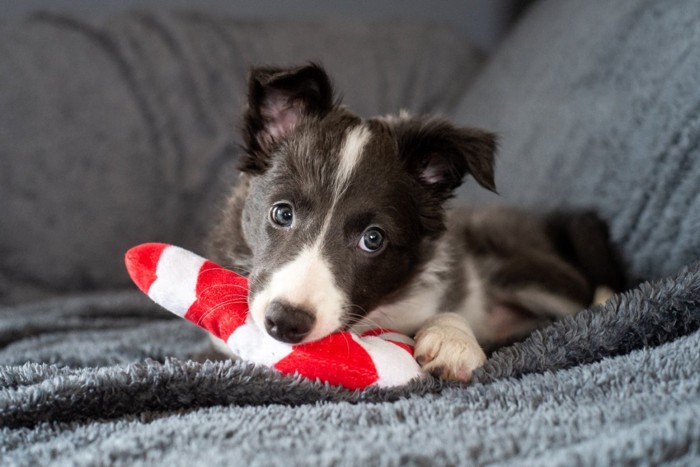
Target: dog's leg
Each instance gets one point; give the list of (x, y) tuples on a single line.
[(527, 292), (446, 347)]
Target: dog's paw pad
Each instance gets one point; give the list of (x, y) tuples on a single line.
[(448, 353)]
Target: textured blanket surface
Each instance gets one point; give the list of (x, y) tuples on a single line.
[(597, 107), (616, 383)]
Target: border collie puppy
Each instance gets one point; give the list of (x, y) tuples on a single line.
[(340, 223)]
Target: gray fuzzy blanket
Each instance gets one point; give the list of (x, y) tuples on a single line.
[(618, 383)]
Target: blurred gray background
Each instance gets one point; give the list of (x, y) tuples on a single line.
[(484, 22)]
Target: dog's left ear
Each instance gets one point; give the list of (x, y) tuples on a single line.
[(278, 100), (440, 155)]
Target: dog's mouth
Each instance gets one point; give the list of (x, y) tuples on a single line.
[(294, 324), (299, 301)]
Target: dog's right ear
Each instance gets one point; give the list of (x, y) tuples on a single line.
[(439, 155), (278, 99)]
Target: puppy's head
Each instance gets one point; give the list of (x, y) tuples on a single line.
[(341, 213)]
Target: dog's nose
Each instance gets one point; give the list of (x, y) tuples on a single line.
[(288, 323)]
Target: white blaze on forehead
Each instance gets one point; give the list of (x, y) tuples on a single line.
[(351, 154), (306, 282), (177, 273)]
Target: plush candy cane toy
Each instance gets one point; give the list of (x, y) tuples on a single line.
[(216, 299)]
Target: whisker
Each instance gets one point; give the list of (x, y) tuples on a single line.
[(232, 301), (244, 290), (225, 303), (347, 342), (361, 318)]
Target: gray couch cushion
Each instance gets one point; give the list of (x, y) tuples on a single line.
[(596, 103), (124, 132)]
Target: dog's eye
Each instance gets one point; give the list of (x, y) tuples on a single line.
[(282, 215), (372, 240)]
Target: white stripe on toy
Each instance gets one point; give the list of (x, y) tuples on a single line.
[(396, 337), (385, 358), (177, 273), (256, 346)]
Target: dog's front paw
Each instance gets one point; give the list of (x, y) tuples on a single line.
[(448, 352)]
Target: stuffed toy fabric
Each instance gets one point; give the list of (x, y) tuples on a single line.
[(216, 299)]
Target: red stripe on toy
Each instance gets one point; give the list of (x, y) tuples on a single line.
[(336, 359), (222, 300), (141, 262)]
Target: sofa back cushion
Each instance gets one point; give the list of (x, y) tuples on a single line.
[(124, 132), (597, 104)]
